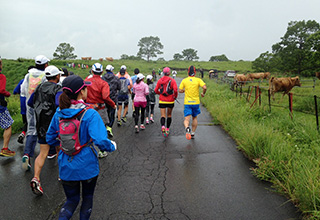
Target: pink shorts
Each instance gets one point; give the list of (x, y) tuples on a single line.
[(140, 104)]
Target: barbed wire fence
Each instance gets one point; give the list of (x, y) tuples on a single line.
[(246, 88)]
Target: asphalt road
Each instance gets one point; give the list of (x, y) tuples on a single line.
[(151, 177)]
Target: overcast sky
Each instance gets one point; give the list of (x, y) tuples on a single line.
[(240, 29)]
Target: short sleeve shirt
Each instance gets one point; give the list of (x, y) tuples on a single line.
[(191, 86)]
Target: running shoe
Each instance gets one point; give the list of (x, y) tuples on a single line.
[(163, 130), (109, 130), (6, 152), (142, 127), (119, 123), (36, 186), (167, 132), (188, 133), (192, 135), (21, 138), (136, 128), (51, 156), (151, 120), (124, 119), (102, 154), (147, 121), (26, 163)]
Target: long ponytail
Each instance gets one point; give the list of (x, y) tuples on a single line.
[(65, 99)]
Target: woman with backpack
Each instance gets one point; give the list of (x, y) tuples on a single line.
[(151, 100), (168, 91), (141, 90), (78, 160)]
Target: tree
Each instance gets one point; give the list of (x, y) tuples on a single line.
[(190, 54), (266, 62), (314, 42), (177, 56), (64, 52), (149, 47), (294, 50), (132, 57), (219, 58)]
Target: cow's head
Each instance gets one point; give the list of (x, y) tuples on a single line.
[(296, 81)]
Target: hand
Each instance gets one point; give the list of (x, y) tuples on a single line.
[(202, 94), (115, 107)]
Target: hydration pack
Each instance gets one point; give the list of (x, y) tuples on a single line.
[(69, 134), (166, 89)]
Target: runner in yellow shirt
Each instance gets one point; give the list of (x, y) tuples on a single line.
[(190, 86)]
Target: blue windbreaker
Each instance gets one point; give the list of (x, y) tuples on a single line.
[(85, 164)]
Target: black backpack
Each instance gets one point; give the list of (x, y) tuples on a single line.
[(124, 86)]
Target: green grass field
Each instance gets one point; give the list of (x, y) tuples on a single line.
[(286, 150)]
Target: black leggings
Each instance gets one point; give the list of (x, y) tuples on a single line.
[(149, 108), (137, 111), (72, 191), (25, 123)]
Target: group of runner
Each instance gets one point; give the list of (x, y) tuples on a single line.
[(67, 115)]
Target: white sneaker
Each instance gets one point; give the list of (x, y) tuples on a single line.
[(26, 163)]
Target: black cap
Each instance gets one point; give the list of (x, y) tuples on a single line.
[(74, 84)]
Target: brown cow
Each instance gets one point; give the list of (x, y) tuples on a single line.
[(283, 85), (266, 75), (109, 59), (252, 76), (318, 75), (240, 79), (101, 59)]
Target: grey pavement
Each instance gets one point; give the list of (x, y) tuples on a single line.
[(152, 177)]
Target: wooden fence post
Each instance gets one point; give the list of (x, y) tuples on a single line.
[(316, 107), (269, 99), (290, 104), (248, 93)]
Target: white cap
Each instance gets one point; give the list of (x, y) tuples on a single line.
[(109, 67), (52, 71), (123, 67), (149, 77), (41, 59), (97, 68), (140, 76)]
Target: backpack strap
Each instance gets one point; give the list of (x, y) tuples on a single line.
[(80, 115)]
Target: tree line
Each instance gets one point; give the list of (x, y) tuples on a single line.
[(298, 52), (149, 47)]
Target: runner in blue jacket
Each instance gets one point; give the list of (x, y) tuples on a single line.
[(82, 168)]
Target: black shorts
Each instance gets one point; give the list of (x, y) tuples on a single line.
[(161, 105), (123, 99), (132, 96)]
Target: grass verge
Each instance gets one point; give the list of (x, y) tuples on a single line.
[(286, 151)]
